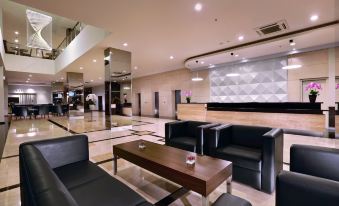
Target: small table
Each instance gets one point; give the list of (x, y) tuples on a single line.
[(170, 163)]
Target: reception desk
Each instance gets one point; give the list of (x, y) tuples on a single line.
[(288, 115)]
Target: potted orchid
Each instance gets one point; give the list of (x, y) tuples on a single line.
[(188, 95), (313, 89)]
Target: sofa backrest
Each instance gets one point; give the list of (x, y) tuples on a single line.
[(192, 128), (248, 136), (62, 151), (39, 185)]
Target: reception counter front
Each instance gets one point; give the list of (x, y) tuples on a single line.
[(287, 115)]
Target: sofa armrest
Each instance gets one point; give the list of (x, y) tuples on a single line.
[(62, 151), (316, 161), (272, 158), (202, 139), (305, 190), (222, 131), (174, 129)]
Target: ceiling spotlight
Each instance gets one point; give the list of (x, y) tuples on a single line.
[(81, 68), (30, 75), (236, 55), (292, 43), (202, 62), (198, 7), (232, 74), (125, 44), (62, 78), (314, 17), (16, 32), (92, 80), (293, 66), (28, 79), (94, 60), (135, 67), (16, 40), (171, 57), (240, 38)]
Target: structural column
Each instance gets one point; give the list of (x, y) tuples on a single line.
[(117, 82), (75, 90), (2, 95), (331, 93)]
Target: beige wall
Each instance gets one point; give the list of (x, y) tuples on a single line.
[(314, 66), (165, 84)]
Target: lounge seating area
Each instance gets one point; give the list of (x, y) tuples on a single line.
[(24, 111)]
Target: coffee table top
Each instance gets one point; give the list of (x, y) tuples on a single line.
[(170, 163)]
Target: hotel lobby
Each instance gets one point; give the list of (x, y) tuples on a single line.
[(222, 103)]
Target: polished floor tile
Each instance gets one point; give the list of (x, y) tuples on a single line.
[(101, 142)]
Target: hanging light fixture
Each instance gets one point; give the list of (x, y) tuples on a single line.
[(197, 78)]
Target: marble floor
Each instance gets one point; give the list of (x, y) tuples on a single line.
[(147, 184)]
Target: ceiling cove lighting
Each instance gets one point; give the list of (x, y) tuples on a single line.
[(314, 17), (198, 7), (232, 74), (293, 66), (197, 78)]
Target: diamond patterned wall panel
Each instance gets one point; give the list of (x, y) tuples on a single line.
[(261, 81)]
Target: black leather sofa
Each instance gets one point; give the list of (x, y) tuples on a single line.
[(313, 179), (256, 153), (187, 135), (58, 172)]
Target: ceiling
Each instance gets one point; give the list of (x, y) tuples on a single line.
[(156, 30)]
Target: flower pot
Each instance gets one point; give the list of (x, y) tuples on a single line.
[(312, 98), (188, 100), (92, 107)]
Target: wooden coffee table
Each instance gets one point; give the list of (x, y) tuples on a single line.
[(170, 163)]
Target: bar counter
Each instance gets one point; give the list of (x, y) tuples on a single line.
[(286, 115)]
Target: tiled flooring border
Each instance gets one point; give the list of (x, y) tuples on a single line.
[(4, 189), (63, 127)]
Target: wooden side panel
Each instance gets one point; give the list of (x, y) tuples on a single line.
[(312, 122), (196, 112)]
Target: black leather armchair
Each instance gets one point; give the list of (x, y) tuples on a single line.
[(58, 172), (187, 135), (256, 153), (313, 179)]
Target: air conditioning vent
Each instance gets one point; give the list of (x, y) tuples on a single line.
[(273, 28)]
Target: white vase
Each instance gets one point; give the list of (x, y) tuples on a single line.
[(92, 107)]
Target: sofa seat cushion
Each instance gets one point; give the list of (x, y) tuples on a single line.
[(75, 174), (105, 191), (230, 200), (240, 156), (185, 143)]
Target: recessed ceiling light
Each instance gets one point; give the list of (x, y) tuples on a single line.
[(293, 49), (30, 75), (292, 43), (16, 32), (202, 62), (94, 60), (232, 74), (236, 55), (314, 17), (198, 7), (27, 81), (125, 44), (293, 66), (240, 38), (171, 57), (16, 40), (135, 67), (92, 80), (81, 68)]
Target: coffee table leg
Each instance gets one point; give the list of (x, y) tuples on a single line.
[(115, 164), (229, 185), (205, 201)]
